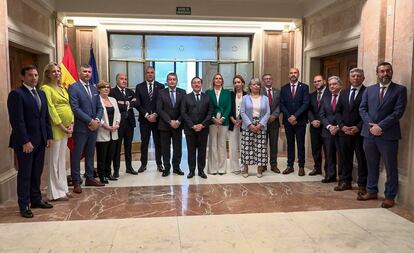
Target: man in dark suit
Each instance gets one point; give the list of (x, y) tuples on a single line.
[(330, 127), (169, 109), (315, 124), (294, 103), (382, 106), (87, 108), (196, 111), (146, 94), (350, 138), (125, 98), (31, 134), (273, 124)]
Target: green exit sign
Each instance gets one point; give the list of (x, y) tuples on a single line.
[(183, 10)]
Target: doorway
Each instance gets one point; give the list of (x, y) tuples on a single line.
[(17, 59), (339, 65)]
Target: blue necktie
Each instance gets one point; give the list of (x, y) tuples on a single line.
[(172, 97)]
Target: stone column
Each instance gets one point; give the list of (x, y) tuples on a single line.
[(7, 171)]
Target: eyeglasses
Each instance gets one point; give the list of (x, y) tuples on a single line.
[(106, 87), (317, 81)]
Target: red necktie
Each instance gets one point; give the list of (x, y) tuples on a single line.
[(334, 102), (382, 93), (318, 98), (269, 95), (293, 91)]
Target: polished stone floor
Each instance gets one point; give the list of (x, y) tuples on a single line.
[(229, 213)]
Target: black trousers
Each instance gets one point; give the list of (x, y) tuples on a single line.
[(146, 130), (350, 144), (273, 136), (197, 148), (104, 154), (28, 176), (125, 135), (317, 146), (295, 134), (174, 136), (332, 150)]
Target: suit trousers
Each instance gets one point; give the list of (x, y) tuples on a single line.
[(295, 134), (350, 144), (197, 149), (273, 137), (317, 147), (146, 130), (104, 154), (174, 136), (28, 175), (217, 153), (375, 149), (234, 148), (58, 184), (125, 134), (332, 149), (83, 143)]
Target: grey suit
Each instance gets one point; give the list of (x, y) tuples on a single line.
[(273, 127)]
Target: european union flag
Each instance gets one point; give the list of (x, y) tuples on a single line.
[(92, 62)]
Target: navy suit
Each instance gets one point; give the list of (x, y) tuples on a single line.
[(316, 132), (146, 105), (85, 108), (29, 124), (386, 114), (167, 112), (348, 115), (298, 106)]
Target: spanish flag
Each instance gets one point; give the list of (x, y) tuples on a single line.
[(68, 68)]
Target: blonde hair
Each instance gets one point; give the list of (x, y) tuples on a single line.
[(47, 70)]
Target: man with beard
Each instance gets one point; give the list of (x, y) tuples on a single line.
[(125, 98), (294, 103), (350, 138), (315, 124), (382, 106)]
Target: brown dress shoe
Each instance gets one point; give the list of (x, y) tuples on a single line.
[(288, 170), (367, 196), (315, 172), (301, 171), (77, 188), (343, 186), (362, 190), (388, 203), (93, 182), (275, 169)]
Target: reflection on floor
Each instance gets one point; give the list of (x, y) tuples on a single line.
[(229, 213)]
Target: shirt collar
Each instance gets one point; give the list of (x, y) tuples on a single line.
[(385, 85), (148, 83), (28, 87), (296, 84), (82, 82), (120, 89), (357, 88)]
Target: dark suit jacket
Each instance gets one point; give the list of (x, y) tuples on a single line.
[(386, 113), (233, 109), (84, 107), (126, 115), (275, 106), (27, 122), (297, 106), (327, 115), (165, 109), (144, 104), (313, 112), (194, 113), (347, 115)]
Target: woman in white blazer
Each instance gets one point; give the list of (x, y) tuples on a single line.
[(107, 133)]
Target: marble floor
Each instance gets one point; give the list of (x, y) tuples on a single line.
[(229, 213)]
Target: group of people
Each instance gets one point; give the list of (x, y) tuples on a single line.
[(361, 120)]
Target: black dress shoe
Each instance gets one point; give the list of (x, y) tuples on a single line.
[(166, 173), (288, 170), (116, 174), (132, 171), (202, 175), (142, 169), (221, 173), (343, 186), (190, 175), (315, 172), (112, 178), (328, 180), (42, 204), (103, 180), (160, 168), (26, 212), (178, 171)]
